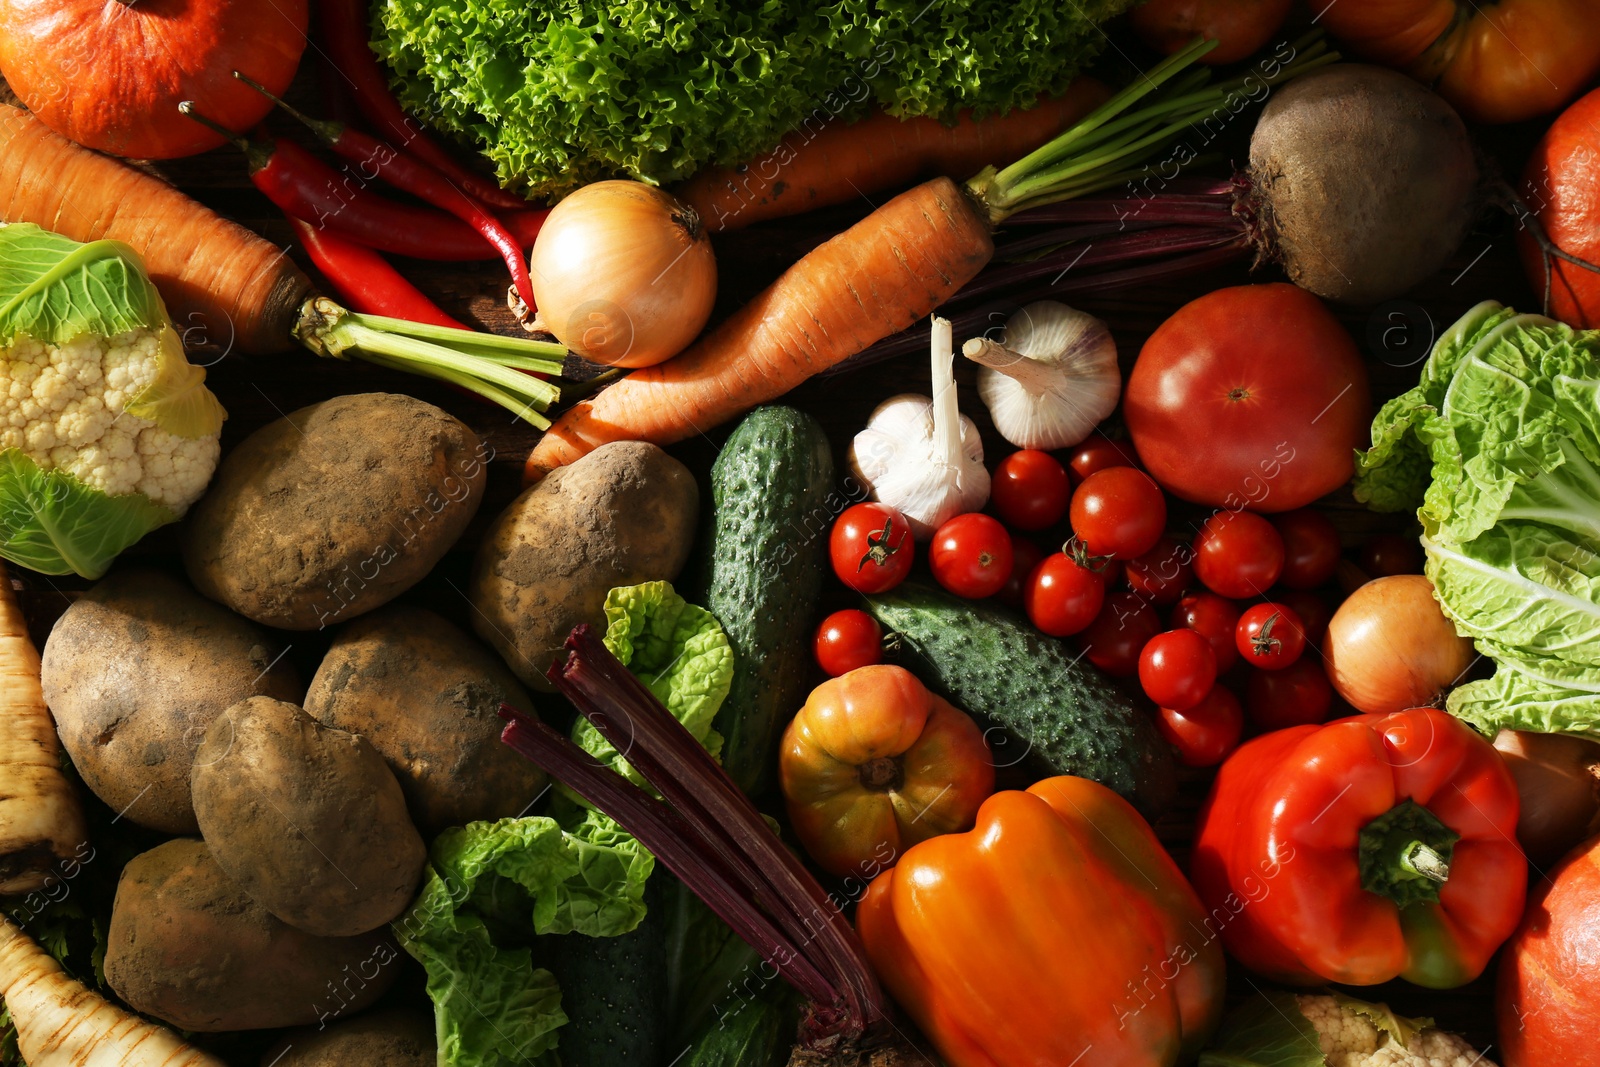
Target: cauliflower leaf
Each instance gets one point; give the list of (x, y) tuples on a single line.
[(53, 523)]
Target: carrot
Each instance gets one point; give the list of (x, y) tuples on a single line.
[(41, 824), (212, 272), (874, 279), (61, 1023), (830, 162)]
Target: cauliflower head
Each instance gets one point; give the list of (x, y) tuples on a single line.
[(106, 430), (1350, 1035), (66, 407)]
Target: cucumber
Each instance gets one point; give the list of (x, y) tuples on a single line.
[(1064, 717), (613, 992), (773, 503)]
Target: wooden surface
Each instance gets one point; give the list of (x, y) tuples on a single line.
[(258, 389)]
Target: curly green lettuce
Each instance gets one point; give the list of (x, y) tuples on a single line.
[(558, 94)]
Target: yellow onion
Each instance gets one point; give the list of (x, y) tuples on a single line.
[(1389, 646), (623, 273)]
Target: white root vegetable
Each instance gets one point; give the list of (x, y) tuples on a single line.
[(1051, 377), (62, 1023), (41, 822), (920, 455)]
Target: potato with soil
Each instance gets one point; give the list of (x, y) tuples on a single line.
[(395, 1037), (335, 509), (621, 515), (135, 672), (187, 946), (307, 819), (427, 697)]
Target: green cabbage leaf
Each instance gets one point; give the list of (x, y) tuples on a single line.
[(1498, 449)]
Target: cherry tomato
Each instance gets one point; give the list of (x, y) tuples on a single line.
[(1298, 695), (1270, 636), (871, 548), (1215, 618), (1177, 669), (1313, 608), (1025, 555), (846, 640), (1119, 512), (1238, 554), (1030, 490), (1310, 548), (1207, 732), (971, 556), (1062, 595), (1118, 634), (1111, 572), (1163, 573), (1388, 554), (1097, 452)]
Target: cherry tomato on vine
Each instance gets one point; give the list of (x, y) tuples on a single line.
[(1207, 732), (1097, 452), (971, 556), (846, 640), (1314, 610), (1030, 490), (1298, 695), (1062, 596), (1119, 512), (1177, 669), (1025, 555), (1310, 548), (1163, 573), (1215, 618), (1238, 554), (1270, 636), (1387, 554), (871, 548), (1118, 634)]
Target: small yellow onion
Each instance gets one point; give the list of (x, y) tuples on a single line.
[(623, 273)]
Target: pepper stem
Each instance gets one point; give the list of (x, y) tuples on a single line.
[(1404, 854)]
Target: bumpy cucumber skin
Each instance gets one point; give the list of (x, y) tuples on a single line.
[(613, 992), (772, 508), (1064, 716)]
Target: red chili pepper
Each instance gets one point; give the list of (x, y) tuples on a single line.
[(365, 281), (303, 186), (376, 158), (1375, 847), (344, 34)]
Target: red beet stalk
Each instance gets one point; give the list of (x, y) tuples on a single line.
[(711, 836)]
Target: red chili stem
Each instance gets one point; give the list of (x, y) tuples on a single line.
[(374, 158), (669, 839), (364, 281), (718, 814), (345, 35)]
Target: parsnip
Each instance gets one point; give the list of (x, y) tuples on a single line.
[(41, 821), (61, 1023)]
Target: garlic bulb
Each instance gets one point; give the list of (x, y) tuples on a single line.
[(920, 455), (1051, 378)]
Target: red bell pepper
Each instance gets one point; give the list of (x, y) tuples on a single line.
[(1369, 848)]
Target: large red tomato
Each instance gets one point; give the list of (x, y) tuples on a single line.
[(1562, 185), (1250, 397)]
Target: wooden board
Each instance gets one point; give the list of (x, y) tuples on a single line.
[(257, 389)]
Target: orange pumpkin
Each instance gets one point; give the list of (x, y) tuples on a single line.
[(1496, 62), (109, 74), (1239, 27)]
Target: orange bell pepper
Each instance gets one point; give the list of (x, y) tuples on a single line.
[(1057, 931), (875, 763)]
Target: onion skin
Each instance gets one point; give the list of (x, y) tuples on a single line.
[(1389, 646), (624, 274), (1558, 778)]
